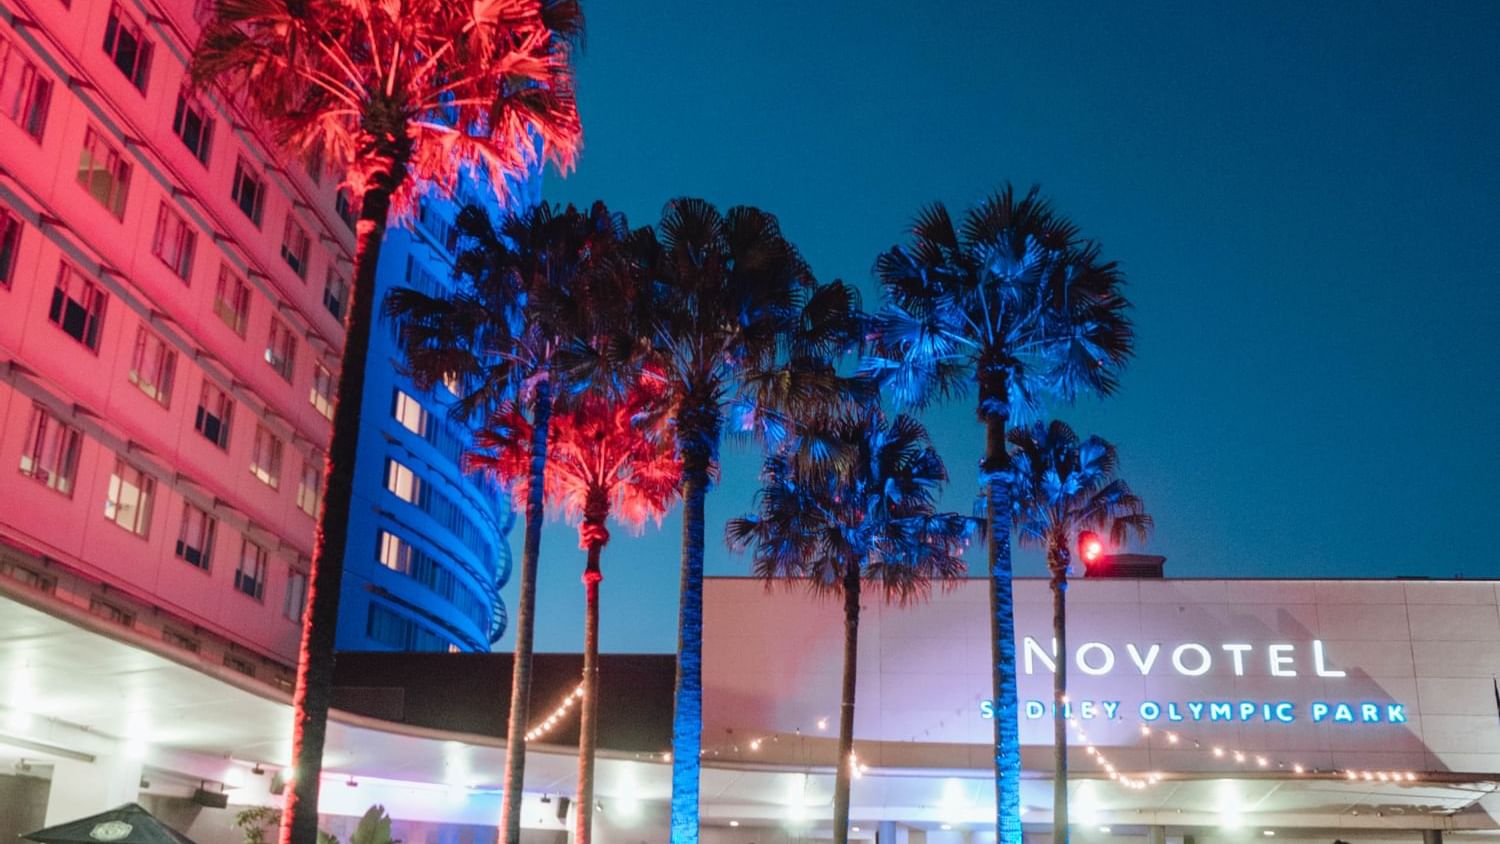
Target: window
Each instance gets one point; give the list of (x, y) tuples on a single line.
[(103, 172), (232, 300), (396, 631), (403, 482), (174, 241), (126, 44), (265, 457), (308, 497), (249, 190), (191, 123), (281, 349), (10, 244), (152, 366), (129, 502), (335, 294), (250, 576), (195, 538), (77, 306), (215, 408), (394, 553), (322, 390), (410, 413), (343, 205), (296, 595), (24, 90), (49, 455), (451, 382), (294, 246)]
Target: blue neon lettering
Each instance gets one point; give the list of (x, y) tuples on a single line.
[(1150, 710), (1395, 713), (1034, 709), (1343, 713), (1247, 710), (1172, 713), (1319, 711), (986, 709), (1110, 708), (1285, 712), (1220, 710), (1369, 713), (1196, 708)]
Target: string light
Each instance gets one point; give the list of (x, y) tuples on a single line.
[(551, 721)]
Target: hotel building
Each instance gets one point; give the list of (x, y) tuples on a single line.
[(171, 304)]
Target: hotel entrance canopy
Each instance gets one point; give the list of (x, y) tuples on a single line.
[(80, 691)]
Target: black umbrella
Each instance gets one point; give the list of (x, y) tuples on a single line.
[(127, 824)]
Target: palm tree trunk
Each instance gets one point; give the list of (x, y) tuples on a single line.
[(588, 725), (687, 712), (313, 692), (844, 772), (520, 680), (1058, 563), (1002, 633)]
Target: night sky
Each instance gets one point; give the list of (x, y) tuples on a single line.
[(1305, 198)]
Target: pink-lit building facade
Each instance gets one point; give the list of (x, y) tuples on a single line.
[(171, 296)]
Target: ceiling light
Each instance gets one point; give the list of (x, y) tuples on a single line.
[(1104, 829), (734, 823), (947, 826), (1269, 833)]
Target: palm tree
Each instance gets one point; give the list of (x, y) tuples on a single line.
[(855, 503), (606, 458), (1017, 302), (1060, 486), (515, 337), (737, 326), (392, 93)]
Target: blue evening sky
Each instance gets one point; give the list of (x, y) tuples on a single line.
[(1305, 197)]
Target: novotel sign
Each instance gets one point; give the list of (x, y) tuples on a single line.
[(1195, 659)]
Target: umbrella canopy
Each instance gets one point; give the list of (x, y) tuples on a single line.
[(127, 824)]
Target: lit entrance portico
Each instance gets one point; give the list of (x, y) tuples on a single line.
[(86, 701)]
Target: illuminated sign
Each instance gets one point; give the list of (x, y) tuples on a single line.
[(1195, 659), (1189, 659)]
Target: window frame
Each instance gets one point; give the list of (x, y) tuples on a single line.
[(281, 349), (100, 156), (145, 488), (267, 447), (174, 241), (223, 419), (261, 560), (10, 244), (245, 174), (93, 305), (153, 365), (207, 527), (296, 246), (234, 314), (121, 23), (26, 99), (188, 109), (53, 455)]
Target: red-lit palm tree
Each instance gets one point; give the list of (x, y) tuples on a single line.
[(1058, 487), (395, 94), (606, 458), (542, 313), (853, 503)]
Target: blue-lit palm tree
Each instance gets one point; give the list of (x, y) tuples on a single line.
[(740, 332), (853, 502), (1060, 486), (537, 297), (1016, 302)]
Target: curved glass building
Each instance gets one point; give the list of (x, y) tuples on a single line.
[(428, 552)]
